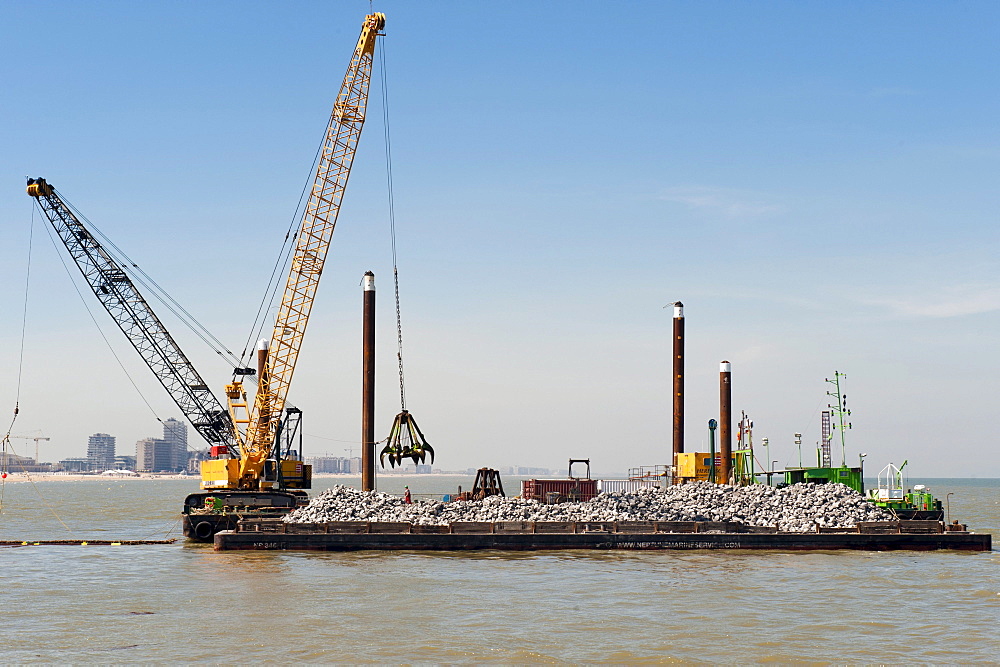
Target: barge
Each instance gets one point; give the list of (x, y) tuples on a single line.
[(206, 513), (274, 534)]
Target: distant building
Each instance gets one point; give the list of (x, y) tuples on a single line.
[(194, 459), (10, 462), (329, 464), (176, 433), (155, 455), (521, 470), (75, 464), (124, 463), (166, 454), (101, 451), (423, 469), (336, 465)]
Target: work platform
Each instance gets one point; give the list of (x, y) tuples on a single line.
[(271, 534)]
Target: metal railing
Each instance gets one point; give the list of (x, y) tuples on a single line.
[(650, 472)]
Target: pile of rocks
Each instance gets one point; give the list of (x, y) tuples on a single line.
[(797, 508)]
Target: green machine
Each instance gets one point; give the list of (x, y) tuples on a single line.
[(825, 472), (833, 475), (916, 503)]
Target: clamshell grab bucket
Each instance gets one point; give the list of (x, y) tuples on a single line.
[(405, 441)]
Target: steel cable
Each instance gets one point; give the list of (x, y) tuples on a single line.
[(270, 292), (392, 219), (96, 324), (152, 287)]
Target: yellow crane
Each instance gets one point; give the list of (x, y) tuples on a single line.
[(256, 468)]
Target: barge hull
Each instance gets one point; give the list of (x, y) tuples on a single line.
[(322, 541)]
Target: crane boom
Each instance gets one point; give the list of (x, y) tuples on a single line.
[(312, 244), (134, 316)]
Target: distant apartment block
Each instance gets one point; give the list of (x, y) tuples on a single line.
[(522, 470), (327, 464), (10, 462), (335, 464), (175, 432), (101, 451), (125, 463), (194, 459), (155, 455), (75, 464), (166, 454)]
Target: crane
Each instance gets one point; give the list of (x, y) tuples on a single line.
[(36, 438), (256, 469), (135, 317), (247, 470)]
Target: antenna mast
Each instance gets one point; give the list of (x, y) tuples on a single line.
[(840, 411)]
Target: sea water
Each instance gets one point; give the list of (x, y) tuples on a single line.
[(185, 602)]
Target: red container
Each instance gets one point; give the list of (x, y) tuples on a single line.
[(218, 450), (562, 490)]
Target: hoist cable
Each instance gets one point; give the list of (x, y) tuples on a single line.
[(392, 219), (24, 325), (284, 255), (153, 288), (6, 445), (90, 312), (37, 491)]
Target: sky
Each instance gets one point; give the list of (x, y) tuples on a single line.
[(817, 182)]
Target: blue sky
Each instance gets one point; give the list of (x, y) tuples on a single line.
[(816, 181)]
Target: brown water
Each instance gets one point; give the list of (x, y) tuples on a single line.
[(187, 603)]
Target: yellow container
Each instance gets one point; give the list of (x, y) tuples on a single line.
[(297, 475), (220, 473), (693, 465), (225, 474)]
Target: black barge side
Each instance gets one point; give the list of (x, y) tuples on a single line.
[(534, 536), (206, 513)]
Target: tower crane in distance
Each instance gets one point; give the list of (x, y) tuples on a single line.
[(37, 439)]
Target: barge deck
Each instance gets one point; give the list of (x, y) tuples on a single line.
[(271, 534)]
